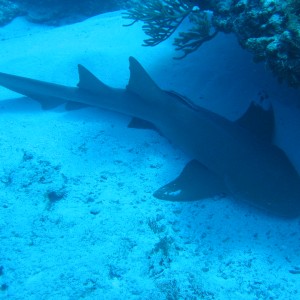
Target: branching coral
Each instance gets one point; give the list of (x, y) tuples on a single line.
[(191, 40), (163, 17), (270, 30)]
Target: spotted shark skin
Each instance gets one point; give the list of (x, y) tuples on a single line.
[(235, 158)]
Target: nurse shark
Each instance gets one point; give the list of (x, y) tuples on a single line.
[(227, 157)]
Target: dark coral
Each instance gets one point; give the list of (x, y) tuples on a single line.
[(270, 30)]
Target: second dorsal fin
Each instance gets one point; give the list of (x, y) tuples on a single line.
[(90, 82)]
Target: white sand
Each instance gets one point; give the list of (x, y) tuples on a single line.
[(108, 238)]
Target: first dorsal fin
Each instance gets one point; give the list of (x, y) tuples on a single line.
[(140, 82), (90, 82)]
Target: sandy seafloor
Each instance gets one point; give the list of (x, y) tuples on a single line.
[(108, 237)]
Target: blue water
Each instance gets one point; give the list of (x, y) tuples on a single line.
[(77, 215)]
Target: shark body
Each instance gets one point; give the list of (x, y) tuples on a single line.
[(237, 158)]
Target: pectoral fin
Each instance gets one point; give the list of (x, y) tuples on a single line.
[(47, 103), (70, 105), (141, 124), (194, 183)]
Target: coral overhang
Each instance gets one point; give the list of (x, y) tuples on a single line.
[(270, 29)]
